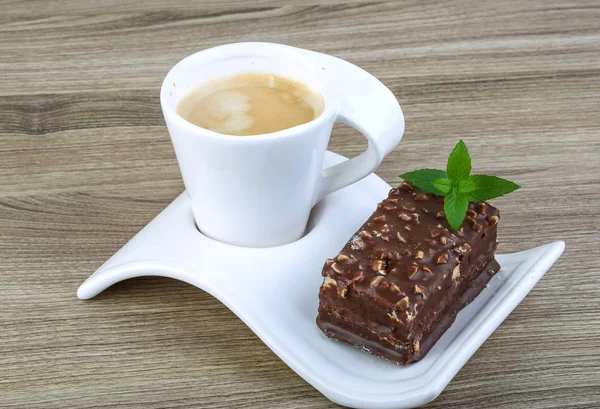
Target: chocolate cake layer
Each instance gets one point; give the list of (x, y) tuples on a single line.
[(404, 269), (342, 330)]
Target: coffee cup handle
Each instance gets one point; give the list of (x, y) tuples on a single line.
[(367, 105)]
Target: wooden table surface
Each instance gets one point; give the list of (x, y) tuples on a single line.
[(86, 162)]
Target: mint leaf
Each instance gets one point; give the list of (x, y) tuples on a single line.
[(457, 187), (466, 186), (444, 185), (459, 163), (455, 207), (489, 187), (424, 178)]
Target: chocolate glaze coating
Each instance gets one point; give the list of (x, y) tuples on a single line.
[(341, 330), (404, 269)]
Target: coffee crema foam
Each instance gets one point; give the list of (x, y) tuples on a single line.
[(250, 104)]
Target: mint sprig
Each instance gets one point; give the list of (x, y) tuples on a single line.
[(458, 186)]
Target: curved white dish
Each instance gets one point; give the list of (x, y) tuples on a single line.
[(274, 291)]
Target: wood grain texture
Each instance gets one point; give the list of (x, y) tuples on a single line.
[(85, 162)]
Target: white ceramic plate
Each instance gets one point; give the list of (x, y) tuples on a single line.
[(274, 291)]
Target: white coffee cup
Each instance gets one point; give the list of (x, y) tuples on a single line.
[(258, 191)]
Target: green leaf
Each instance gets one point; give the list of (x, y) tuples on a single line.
[(459, 163), (455, 207), (457, 187), (423, 178), (443, 185), (489, 187), (466, 186)]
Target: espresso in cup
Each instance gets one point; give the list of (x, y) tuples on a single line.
[(250, 104)]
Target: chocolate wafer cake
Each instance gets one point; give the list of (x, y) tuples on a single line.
[(397, 285)]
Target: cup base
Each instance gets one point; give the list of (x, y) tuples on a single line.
[(306, 231)]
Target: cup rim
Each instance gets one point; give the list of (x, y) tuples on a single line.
[(242, 50)]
